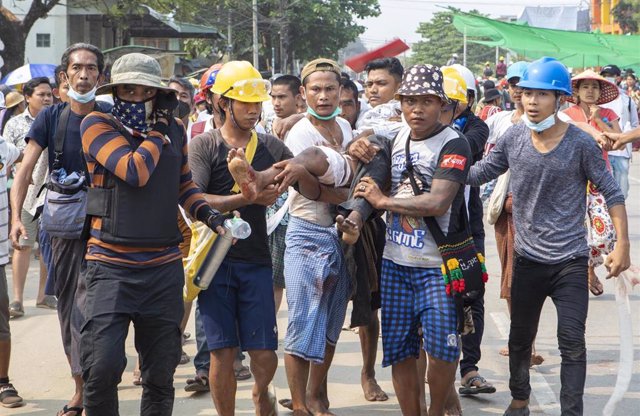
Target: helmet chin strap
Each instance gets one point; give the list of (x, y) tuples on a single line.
[(453, 115), (233, 118)]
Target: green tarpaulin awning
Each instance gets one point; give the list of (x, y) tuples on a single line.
[(574, 49)]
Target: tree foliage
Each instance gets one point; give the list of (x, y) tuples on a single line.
[(294, 29), (627, 14), (14, 31), (440, 39)]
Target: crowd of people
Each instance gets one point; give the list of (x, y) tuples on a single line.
[(354, 192)]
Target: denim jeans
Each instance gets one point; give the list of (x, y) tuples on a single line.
[(566, 284), (620, 166), (202, 360)]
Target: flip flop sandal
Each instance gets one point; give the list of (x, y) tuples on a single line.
[(595, 286), (16, 310), (76, 409), (137, 378), (197, 384), (9, 396), (286, 403), (470, 388), (521, 411), (242, 373), (184, 358)]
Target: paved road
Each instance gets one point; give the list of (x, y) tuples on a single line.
[(40, 372)]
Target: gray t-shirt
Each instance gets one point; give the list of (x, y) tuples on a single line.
[(549, 190)]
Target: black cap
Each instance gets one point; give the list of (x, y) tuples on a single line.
[(491, 94), (611, 69), (488, 84)]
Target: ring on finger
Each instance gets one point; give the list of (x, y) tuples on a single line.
[(363, 188)]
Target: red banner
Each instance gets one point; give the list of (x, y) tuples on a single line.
[(393, 48)]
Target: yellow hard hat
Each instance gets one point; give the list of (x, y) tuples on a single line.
[(454, 85), (240, 81)]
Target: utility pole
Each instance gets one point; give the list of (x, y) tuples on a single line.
[(255, 34), (229, 40), (464, 47)]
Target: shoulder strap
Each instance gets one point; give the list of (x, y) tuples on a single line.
[(61, 132), (431, 222)]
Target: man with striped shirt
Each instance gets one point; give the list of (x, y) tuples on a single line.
[(138, 164)]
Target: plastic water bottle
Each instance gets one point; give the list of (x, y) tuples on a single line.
[(234, 228)]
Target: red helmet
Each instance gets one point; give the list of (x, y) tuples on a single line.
[(209, 77), (200, 97)]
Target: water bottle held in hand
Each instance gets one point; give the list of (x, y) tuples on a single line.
[(238, 228)]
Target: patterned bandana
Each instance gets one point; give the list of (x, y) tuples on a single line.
[(135, 115)]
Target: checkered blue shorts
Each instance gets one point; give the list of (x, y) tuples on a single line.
[(414, 297)]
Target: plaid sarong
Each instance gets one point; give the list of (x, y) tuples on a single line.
[(318, 289)]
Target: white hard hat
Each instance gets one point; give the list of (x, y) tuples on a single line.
[(469, 79), (455, 55)]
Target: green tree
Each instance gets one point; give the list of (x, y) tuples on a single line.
[(627, 14), (440, 39), (296, 29), (14, 31)]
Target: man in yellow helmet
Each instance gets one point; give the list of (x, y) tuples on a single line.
[(238, 307)]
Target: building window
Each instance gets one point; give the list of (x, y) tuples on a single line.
[(43, 40)]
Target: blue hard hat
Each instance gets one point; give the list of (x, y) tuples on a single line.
[(547, 74), (516, 69)]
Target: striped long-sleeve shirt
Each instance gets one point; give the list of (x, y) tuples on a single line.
[(105, 149)]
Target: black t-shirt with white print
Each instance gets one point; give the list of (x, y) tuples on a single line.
[(444, 155)]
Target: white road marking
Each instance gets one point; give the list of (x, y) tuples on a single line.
[(540, 389), (632, 179), (502, 323)]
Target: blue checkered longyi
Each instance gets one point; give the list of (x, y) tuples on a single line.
[(318, 289), (414, 297)]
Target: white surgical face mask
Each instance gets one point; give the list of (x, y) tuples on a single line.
[(87, 97), (545, 124)]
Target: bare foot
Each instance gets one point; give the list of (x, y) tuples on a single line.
[(317, 407), (372, 391), (595, 285), (536, 359), (452, 406), (265, 403), (350, 227), (504, 351), (242, 173)]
